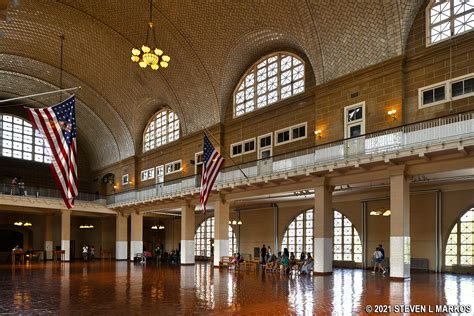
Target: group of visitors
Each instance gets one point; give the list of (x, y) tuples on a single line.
[(17, 186), (88, 253), (236, 259), (286, 262)]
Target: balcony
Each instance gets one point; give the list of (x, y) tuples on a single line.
[(46, 198), (450, 132)]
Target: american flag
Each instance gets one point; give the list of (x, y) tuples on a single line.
[(212, 163), (57, 124)]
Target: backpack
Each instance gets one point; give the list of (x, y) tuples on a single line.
[(378, 254)]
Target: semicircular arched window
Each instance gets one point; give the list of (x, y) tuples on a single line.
[(274, 77), (447, 18), (460, 244), (18, 139), (204, 239), (163, 128), (347, 245)]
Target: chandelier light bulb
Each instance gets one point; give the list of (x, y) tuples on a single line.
[(154, 66), (166, 58), (142, 64), (135, 59), (145, 49), (136, 51), (158, 52), (163, 64)]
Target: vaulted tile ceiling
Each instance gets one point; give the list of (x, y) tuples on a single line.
[(211, 43)]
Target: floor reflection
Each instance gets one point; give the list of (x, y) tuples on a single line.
[(124, 287)]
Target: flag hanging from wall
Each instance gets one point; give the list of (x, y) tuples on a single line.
[(57, 124), (212, 163)]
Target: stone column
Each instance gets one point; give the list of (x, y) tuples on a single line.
[(121, 237), (323, 229), (187, 233), (399, 224), (136, 238), (66, 233), (221, 231), (48, 237)]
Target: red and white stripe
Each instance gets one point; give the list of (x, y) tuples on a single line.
[(63, 165), (210, 171)]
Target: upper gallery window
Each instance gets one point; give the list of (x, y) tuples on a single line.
[(19, 140), (163, 128), (272, 78), (447, 18)]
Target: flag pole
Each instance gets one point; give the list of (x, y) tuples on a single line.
[(39, 94), (225, 152)]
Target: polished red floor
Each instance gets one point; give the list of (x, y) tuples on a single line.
[(122, 288)]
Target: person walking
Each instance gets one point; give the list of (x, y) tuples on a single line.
[(378, 258), (263, 255)]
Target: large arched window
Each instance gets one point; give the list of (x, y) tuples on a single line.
[(299, 237), (272, 78), (460, 245), (448, 18), (204, 239), (19, 140), (162, 129)]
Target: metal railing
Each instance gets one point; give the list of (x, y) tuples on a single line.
[(410, 136), (8, 189)]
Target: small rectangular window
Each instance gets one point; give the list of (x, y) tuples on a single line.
[(265, 141), (125, 179), (433, 95), (249, 146), (267, 153), (462, 87), (354, 114), (236, 150), (173, 167), (299, 132), (283, 136)]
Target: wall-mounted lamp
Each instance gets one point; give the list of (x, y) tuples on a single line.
[(234, 222), (130, 182), (392, 114), (115, 187), (318, 133)]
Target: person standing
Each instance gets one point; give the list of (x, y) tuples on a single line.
[(382, 259), (92, 253), (14, 185), (85, 252), (263, 254), (21, 186)]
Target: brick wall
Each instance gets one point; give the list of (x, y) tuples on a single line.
[(390, 85)]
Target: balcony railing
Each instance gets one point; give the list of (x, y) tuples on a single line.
[(38, 192), (413, 136)]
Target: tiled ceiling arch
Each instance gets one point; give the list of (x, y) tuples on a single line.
[(210, 43)]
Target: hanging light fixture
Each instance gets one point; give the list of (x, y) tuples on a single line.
[(150, 55)]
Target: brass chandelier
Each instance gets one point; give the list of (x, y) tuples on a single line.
[(150, 55)]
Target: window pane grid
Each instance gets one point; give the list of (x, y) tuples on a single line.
[(460, 244), (277, 77), (450, 17), (163, 129), (299, 237), (17, 140), (204, 239)]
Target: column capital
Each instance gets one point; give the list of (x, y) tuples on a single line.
[(397, 170), (122, 214), (189, 203), (321, 181)]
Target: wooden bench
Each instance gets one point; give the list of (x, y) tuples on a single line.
[(225, 262), (247, 266)]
